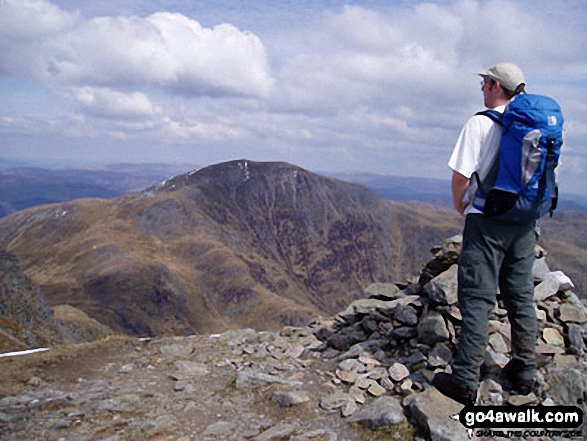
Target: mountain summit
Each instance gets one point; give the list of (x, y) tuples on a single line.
[(238, 244)]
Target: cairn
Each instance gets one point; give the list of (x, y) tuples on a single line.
[(392, 343)]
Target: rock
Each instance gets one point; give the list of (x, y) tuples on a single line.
[(384, 291), (434, 413), (551, 285), (445, 255), (498, 344), (540, 270), (381, 413), (552, 337), (278, 431), (406, 315), (455, 313), (432, 328), (490, 392), (357, 395), (364, 306), (547, 349), (567, 385), (546, 289), (376, 389), (124, 403), (442, 290), (572, 314), (440, 356), (176, 350), (219, 428), (191, 368), (290, 398), (576, 342), (348, 377), (249, 378), (565, 361), (334, 401), (494, 361), (352, 365), (398, 372), (523, 400), (349, 408)]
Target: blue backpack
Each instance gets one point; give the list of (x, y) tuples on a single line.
[(521, 187)]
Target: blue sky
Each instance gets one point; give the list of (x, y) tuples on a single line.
[(371, 86)]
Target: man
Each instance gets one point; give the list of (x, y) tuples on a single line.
[(496, 255)]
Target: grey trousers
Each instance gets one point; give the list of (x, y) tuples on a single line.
[(495, 255)]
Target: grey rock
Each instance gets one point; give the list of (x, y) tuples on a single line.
[(432, 328), (404, 332), (124, 403), (376, 390), (553, 283), (572, 314), (384, 291), (352, 365), (249, 378), (442, 290), (540, 270), (546, 289), (290, 398), (334, 401), (191, 368), (434, 413), (278, 431), (576, 342), (381, 413), (523, 400), (219, 428), (440, 356), (406, 315), (552, 337), (498, 343), (176, 350), (567, 385), (398, 372)]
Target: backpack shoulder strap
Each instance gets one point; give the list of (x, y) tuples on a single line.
[(493, 115)]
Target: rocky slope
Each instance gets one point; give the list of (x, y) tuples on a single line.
[(26, 321), (363, 374), (236, 245)]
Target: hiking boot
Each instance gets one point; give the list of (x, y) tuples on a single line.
[(450, 387), (510, 372)]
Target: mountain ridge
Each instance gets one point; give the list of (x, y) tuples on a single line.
[(235, 244)]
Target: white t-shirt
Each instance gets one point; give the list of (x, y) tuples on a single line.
[(475, 150)]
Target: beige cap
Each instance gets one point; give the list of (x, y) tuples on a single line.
[(508, 74)]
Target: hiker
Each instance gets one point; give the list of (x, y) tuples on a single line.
[(497, 256)]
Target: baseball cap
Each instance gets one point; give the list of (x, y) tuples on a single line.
[(508, 74)]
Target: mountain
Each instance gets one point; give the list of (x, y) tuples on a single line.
[(26, 187), (238, 244), (433, 191)]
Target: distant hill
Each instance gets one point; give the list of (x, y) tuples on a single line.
[(22, 187), (239, 244), (433, 191)]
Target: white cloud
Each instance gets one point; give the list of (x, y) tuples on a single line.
[(107, 103), (164, 50)]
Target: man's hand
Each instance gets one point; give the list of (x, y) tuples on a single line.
[(460, 184)]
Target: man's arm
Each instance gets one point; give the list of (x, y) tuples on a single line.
[(460, 184)]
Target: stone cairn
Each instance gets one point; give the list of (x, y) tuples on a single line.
[(391, 344)]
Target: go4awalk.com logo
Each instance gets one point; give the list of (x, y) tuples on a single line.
[(522, 421)]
